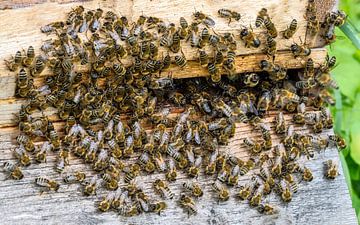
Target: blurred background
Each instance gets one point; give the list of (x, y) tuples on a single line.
[(346, 112)]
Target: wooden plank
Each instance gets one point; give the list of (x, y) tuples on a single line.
[(243, 64), (313, 203)]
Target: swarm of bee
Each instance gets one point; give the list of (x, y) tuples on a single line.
[(109, 109)]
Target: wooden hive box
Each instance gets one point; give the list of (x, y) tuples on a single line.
[(317, 202)]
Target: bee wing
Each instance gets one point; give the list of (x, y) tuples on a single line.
[(198, 161)]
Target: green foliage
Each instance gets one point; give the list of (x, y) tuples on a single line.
[(347, 109)]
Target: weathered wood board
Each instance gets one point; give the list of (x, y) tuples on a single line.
[(318, 202)]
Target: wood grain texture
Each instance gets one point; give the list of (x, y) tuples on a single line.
[(318, 202)]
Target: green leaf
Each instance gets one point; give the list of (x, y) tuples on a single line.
[(356, 55), (355, 142)]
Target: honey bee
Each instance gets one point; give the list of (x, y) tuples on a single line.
[(26, 142), (249, 37), (284, 190), (194, 188), (13, 170), (338, 140), (131, 172), (318, 125), (210, 168), (266, 176), (280, 127), (331, 170), (270, 27), (313, 25), (248, 165), (311, 7), (205, 19), (256, 196), (195, 164), (267, 209), (299, 50), (162, 187), (264, 102), (290, 31), (147, 163), (244, 192), (306, 174), (157, 207), (222, 192), (105, 204), (119, 199), (62, 160), (129, 146), (229, 14), (77, 176), (171, 174), (262, 15), (325, 80), (299, 117), (188, 204), (270, 48), (22, 156), (40, 156), (329, 64), (47, 183), (111, 182), (15, 62), (91, 187), (255, 147)]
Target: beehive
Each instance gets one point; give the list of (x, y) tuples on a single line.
[(209, 211)]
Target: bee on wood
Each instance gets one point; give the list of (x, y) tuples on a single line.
[(111, 182), (267, 209), (313, 25), (260, 18), (188, 204), (22, 156), (270, 27), (284, 191), (13, 170), (331, 169), (306, 174), (229, 14), (194, 188), (40, 156), (222, 192), (51, 27), (180, 60), (47, 183), (280, 126), (298, 50), (91, 187), (157, 207), (195, 164), (147, 163), (75, 177), (15, 61), (162, 187), (171, 174), (250, 39), (255, 147), (214, 71), (131, 172), (338, 141), (203, 18), (290, 31), (270, 48)]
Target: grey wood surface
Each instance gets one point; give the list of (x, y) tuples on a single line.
[(318, 202)]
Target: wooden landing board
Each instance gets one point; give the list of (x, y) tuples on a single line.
[(318, 202)]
